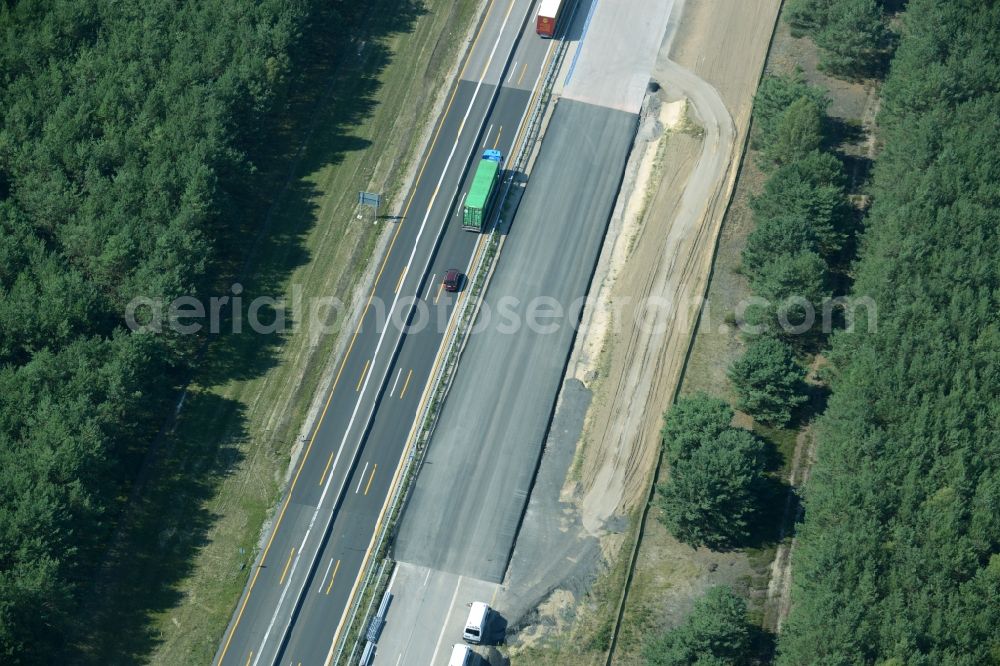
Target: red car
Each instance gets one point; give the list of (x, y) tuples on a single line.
[(452, 280)]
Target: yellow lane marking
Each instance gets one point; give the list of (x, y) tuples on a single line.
[(362, 377), (336, 568), (399, 282), (497, 142), (523, 70), (371, 478), (438, 295), (406, 384), (350, 346), (287, 564), (326, 469), (249, 658), (461, 74)]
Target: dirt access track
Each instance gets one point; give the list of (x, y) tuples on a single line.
[(665, 251), (652, 275), (670, 225)]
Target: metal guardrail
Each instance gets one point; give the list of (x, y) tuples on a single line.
[(541, 106), (376, 625), (441, 381)]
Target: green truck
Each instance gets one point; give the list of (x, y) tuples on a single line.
[(483, 193)]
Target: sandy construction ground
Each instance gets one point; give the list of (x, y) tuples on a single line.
[(653, 272), (610, 71), (658, 268)]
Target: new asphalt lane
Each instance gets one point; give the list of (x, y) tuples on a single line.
[(470, 495), (456, 535), (304, 578)]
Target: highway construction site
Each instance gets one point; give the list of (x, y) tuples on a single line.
[(684, 137), (530, 454)]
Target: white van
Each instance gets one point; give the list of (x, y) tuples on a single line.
[(475, 626), (461, 655)]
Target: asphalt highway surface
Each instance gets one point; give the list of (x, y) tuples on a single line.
[(456, 536), (470, 495), (305, 577)]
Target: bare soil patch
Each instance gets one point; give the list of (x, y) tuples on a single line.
[(662, 591), (661, 244)]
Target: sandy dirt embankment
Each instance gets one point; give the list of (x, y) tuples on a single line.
[(657, 268), (651, 278)]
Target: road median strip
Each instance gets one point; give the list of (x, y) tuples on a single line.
[(376, 578)]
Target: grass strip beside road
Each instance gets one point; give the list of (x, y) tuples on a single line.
[(194, 538)]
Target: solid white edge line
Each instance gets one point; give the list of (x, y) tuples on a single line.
[(396, 383), (361, 479), (323, 582), (378, 347), (451, 606)]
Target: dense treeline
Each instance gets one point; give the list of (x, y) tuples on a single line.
[(126, 142), (718, 489), (718, 483), (899, 556), (802, 220), (853, 35)]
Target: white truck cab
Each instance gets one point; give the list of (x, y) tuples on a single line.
[(475, 626), (461, 655)]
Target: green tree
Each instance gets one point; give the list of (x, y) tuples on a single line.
[(807, 16), (795, 289), (717, 631), (769, 382), (854, 38), (777, 236), (714, 492), (775, 95), (692, 420), (798, 132), (812, 189)]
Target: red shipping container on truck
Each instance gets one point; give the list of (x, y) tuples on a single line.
[(548, 17)]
